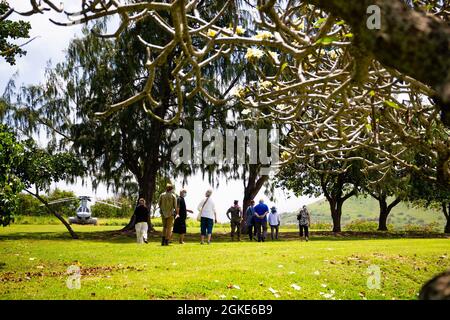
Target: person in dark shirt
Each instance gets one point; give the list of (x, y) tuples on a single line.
[(142, 215), (234, 213), (179, 225)]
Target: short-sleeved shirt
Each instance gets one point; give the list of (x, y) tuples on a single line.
[(208, 209), (167, 204), (260, 209), (235, 212), (303, 217)]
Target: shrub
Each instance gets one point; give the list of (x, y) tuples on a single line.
[(362, 226)]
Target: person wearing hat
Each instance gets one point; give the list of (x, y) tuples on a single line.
[(167, 206), (234, 214), (274, 222), (179, 225)]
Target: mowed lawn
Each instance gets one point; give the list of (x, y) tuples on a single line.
[(34, 260)]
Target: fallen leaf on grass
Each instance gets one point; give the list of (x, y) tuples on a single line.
[(295, 286), (316, 272), (273, 290)]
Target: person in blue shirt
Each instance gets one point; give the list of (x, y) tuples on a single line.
[(250, 220), (261, 212)]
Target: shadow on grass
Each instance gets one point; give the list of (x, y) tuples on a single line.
[(117, 236)]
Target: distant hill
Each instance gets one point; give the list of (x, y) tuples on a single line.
[(367, 209)]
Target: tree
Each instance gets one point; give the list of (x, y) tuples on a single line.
[(426, 193), (11, 30), (338, 181), (40, 168), (11, 154), (25, 167)]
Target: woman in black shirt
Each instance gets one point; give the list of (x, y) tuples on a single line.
[(180, 220), (142, 215)]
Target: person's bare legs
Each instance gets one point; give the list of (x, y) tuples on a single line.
[(182, 238), (209, 238), (203, 239)]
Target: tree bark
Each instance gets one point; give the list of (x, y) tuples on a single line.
[(251, 189), (57, 215), (382, 221), (412, 42), (336, 214), (447, 216), (385, 210)]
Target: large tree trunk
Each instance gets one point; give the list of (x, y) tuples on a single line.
[(385, 210), (251, 189), (382, 221), (336, 214), (447, 216), (56, 214), (146, 191)]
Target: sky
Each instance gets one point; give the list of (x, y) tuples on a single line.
[(49, 45)]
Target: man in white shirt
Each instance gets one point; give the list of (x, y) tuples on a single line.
[(208, 216)]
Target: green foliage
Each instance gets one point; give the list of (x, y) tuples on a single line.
[(361, 208), (11, 30), (40, 168), (30, 206), (11, 155), (362, 226), (100, 210)]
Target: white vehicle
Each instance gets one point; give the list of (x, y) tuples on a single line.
[(83, 213)]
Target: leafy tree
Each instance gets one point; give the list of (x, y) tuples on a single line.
[(427, 193), (11, 30), (30, 206), (11, 154), (337, 180), (40, 168)]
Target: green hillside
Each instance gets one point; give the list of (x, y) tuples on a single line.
[(367, 209)]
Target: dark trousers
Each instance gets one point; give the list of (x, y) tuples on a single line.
[(261, 230), (251, 231), (305, 228), (272, 229), (236, 227)]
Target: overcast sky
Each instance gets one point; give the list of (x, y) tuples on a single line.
[(49, 45)]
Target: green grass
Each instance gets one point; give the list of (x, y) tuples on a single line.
[(360, 208), (34, 260)]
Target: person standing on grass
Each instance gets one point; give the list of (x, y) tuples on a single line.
[(274, 222), (234, 214), (304, 221), (261, 212), (142, 214), (208, 216), (168, 206), (250, 220), (179, 225)]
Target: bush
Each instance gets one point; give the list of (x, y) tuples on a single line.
[(432, 227), (362, 226), (322, 226)]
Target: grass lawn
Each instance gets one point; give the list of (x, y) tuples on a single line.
[(34, 260)]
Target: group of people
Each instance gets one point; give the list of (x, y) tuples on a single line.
[(174, 214)]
